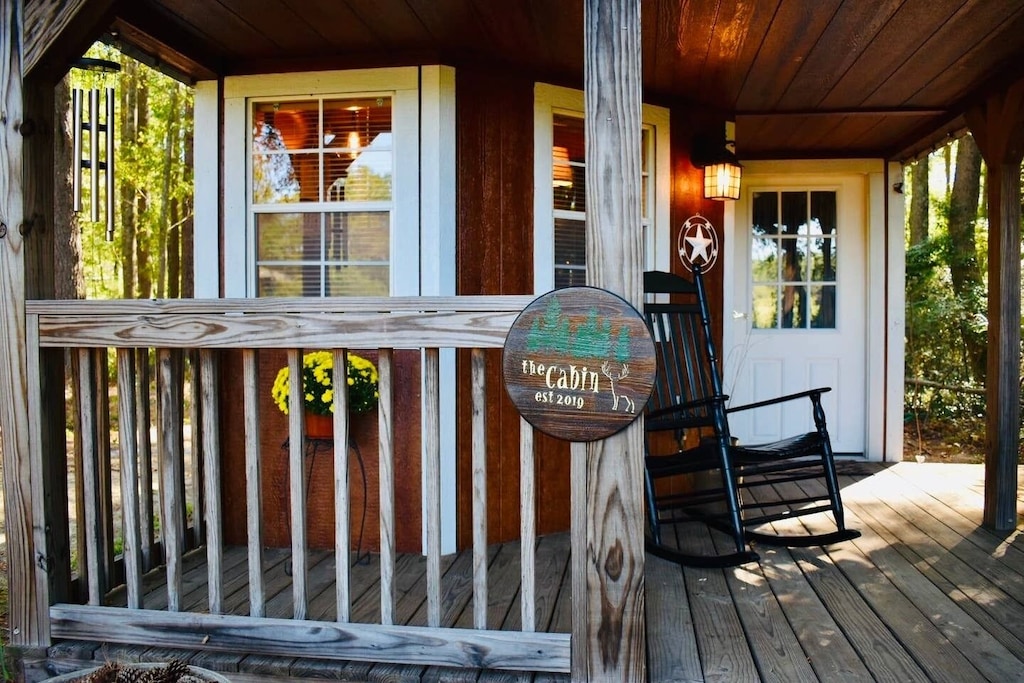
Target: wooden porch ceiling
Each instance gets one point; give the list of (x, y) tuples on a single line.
[(830, 78)]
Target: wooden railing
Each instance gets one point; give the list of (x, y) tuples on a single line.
[(184, 339)]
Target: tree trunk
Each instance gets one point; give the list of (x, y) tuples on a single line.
[(67, 250), (187, 225), (174, 251), (129, 136), (164, 240), (143, 277), (963, 261), (919, 202)]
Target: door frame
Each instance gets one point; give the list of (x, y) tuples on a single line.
[(884, 263)]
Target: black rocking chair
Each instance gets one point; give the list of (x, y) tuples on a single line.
[(687, 432)]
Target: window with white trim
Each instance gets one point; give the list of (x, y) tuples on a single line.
[(560, 190), (321, 195), (322, 186)]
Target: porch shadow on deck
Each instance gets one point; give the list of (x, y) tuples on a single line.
[(924, 595)]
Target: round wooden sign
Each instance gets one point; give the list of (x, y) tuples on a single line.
[(579, 363)]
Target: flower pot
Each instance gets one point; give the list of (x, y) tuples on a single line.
[(198, 672), (319, 426)]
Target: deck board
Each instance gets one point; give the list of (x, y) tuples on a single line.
[(926, 594)]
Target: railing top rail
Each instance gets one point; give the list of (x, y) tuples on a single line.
[(358, 323), (355, 304)]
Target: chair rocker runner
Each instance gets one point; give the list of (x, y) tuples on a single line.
[(687, 432)]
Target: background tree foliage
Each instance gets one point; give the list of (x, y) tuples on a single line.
[(151, 251), (946, 291)]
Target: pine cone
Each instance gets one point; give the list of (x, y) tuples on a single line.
[(105, 674), (130, 674)]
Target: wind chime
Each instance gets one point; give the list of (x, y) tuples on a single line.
[(96, 127)]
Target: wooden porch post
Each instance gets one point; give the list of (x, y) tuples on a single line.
[(28, 607), (998, 127), (613, 635)]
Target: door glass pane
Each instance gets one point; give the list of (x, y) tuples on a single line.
[(823, 306), (765, 306), (793, 259), (793, 305)]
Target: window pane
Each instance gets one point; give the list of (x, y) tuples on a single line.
[(570, 277), (290, 125), (766, 213), (765, 307), (793, 259), (289, 281), (275, 179), (823, 306), (794, 213), (288, 237), (357, 281), (823, 259), (793, 307), (570, 243), (764, 259), (358, 236), (568, 168), (285, 178)]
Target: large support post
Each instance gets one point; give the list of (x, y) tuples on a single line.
[(613, 635), (28, 608), (998, 127)]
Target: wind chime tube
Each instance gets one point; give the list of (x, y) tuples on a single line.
[(76, 127), (109, 172), (94, 154)]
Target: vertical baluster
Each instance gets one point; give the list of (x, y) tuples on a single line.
[(210, 476), (143, 420), (128, 450), (479, 428), (79, 392), (89, 488), (197, 450), (342, 496), (253, 481), (103, 468), (577, 557), (432, 475), (297, 482), (387, 487), (528, 526), (170, 454)]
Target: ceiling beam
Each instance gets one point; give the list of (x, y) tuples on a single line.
[(57, 32)]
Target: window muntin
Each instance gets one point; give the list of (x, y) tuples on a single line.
[(321, 195), (569, 199), (793, 259)]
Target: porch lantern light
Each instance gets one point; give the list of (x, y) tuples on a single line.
[(717, 156), (722, 180)]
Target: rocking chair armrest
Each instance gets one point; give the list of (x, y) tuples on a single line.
[(671, 417), (812, 394), (685, 405)]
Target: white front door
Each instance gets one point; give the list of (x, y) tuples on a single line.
[(800, 301)]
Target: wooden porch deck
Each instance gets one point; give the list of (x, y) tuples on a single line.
[(924, 595)]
